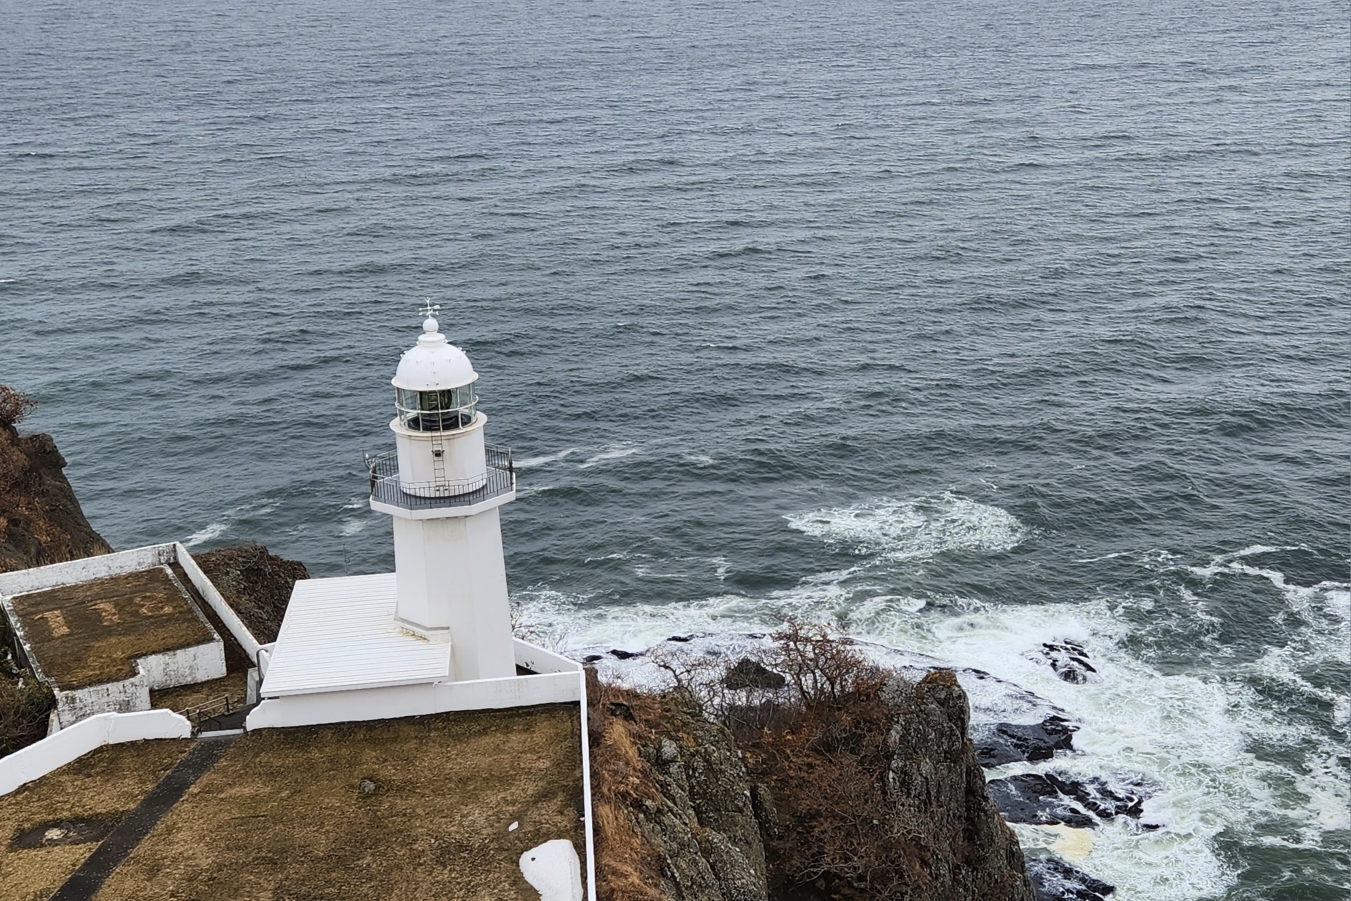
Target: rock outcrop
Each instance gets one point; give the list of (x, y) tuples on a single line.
[(963, 848), (880, 798), (40, 520), (678, 818), (256, 583)]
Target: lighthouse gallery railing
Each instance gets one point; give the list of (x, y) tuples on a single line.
[(386, 488)]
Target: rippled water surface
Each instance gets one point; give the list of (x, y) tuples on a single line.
[(968, 325)]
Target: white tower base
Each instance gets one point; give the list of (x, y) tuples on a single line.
[(453, 587)]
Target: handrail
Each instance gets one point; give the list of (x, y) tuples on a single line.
[(386, 488)]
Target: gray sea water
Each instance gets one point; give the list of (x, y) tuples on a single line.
[(970, 326)]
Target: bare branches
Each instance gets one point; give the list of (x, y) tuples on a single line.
[(14, 406)]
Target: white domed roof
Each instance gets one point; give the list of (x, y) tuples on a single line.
[(435, 364)]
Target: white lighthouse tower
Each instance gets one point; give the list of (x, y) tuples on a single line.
[(434, 635), (442, 486)]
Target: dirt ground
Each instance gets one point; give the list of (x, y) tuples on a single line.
[(91, 633), (283, 817), (99, 787), (233, 685)]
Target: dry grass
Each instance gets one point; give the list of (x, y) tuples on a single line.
[(104, 784), (281, 816), (92, 633), (627, 866)]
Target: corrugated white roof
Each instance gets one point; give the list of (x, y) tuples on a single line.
[(340, 634)]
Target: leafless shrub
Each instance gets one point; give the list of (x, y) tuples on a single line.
[(821, 664), (550, 638), (14, 406)]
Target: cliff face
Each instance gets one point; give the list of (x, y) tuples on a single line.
[(40, 520), (676, 816), (880, 797), (963, 846)]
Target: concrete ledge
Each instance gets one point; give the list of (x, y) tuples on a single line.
[(414, 700), (73, 742), (538, 660), (56, 575)]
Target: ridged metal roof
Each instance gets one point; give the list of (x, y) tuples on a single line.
[(340, 634)]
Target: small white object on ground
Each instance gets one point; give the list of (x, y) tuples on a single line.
[(554, 870), (514, 826)]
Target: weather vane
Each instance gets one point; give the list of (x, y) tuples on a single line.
[(431, 309)]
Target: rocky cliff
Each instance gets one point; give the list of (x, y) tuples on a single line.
[(879, 796), (40, 520)]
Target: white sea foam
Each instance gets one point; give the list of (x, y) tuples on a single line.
[(353, 527), (214, 530), (610, 452), (544, 460), (1188, 734), (909, 529)]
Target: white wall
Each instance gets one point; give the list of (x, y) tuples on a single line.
[(123, 696), (57, 574), (233, 624), (59, 749), (414, 700), (539, 660), (185, 666)]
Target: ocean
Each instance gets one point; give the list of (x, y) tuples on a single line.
[(971, 327)]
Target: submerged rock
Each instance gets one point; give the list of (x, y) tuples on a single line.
[(1033, 799), (1052, 798), (1004, 743), (1069, 660), (1055, 880)]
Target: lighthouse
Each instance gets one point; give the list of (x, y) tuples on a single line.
[(434, 635), (442, 486)]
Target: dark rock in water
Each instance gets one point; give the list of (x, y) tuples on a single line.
[(1101, 798), (749, 673), (625, 655), (1008, 742), (1069, 659), (592, 658), (1055, 880), (1053, 798), (1032, 798), (681, 638)]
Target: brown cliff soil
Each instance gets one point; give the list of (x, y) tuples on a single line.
[(40, 520), (255, 583)]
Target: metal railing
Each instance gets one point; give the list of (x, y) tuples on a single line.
[(386, 488), (207, 714)]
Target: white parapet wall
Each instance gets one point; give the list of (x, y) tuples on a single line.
[(538, 660), (414, 700), (168, 669), (233, 624), (56, 575), (60, 748)]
